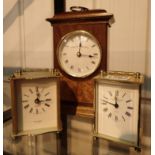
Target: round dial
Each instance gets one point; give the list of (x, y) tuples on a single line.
[(79, 53)]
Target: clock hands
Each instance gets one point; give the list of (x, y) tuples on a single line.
[(37, 100), (79, 53), (116, 94), (115, 105), (37, 92), (45, 100), (90, 56)]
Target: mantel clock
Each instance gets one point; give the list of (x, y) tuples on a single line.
[(80, 51), (35, 102), (117, 107)]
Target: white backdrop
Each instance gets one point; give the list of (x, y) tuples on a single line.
[(28, 37)]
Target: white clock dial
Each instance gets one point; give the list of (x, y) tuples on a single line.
[(79, 53), (118, 111), (37, 101)]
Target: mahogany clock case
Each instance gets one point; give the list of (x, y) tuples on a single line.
[(80, 90), (95, 22)]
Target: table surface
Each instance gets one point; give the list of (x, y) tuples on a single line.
[(76, 140)]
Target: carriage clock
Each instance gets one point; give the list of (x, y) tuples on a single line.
[(117, 107), (35, 102), (80, 51)]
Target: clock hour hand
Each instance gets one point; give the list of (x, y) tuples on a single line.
[(45, 100)]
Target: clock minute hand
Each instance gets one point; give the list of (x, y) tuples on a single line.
[(79, 53), (109, 103), (90, 56), (116, 104)]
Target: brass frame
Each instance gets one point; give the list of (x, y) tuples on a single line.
[(131, 79), (32, 75), (68, 35)]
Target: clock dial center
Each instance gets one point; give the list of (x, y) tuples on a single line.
[(116, 105), (37, 101), (78, 54)]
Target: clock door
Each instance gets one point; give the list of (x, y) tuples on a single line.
[(117, 106)]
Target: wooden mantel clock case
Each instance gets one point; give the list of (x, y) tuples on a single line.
[(80, 52)]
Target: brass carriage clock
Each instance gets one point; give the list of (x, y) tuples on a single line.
[(80, 51), (117, 107), (35, 102)]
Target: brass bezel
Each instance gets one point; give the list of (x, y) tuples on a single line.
[(69, 35), (30, 75)]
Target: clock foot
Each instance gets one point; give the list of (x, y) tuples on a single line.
[(15, 138)]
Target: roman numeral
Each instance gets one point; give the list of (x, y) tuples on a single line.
[(128, 114), (116, 92), (24, 100), (110, 93), (116, 118), (109, 115), (130, 108), (104, 103), (105, 97), (48, 99), (66, 61), (95, 54), (128, 101), (36, 111), (31, 110), (64, 53), (43, 109), (79, 69), (26, 95), (42, 90), (71, 67), (47, 94), (47, 105), (26, 106), (123, 95), (93, 62), (30, 90), (93, 45), (87, 67), (105, 109), (123, 118)]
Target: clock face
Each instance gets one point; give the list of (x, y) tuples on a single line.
[(37, 104), (117, 107), (79, 53)]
